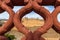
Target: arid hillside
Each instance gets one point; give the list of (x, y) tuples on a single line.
[(32, 22)]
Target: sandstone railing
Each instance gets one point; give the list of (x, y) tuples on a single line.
[(29, 5)]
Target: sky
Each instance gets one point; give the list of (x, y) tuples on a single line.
[(5, 15)]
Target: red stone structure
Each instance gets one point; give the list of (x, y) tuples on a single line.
[(29, 5)]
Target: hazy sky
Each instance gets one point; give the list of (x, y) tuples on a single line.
[(5, 15)]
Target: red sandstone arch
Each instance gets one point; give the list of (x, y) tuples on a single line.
[(56, 26), (38, 9), (9, 24)]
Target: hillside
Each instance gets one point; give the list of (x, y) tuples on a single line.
[(33, 24)]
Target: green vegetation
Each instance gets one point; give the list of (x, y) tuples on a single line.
[(10, 37)]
